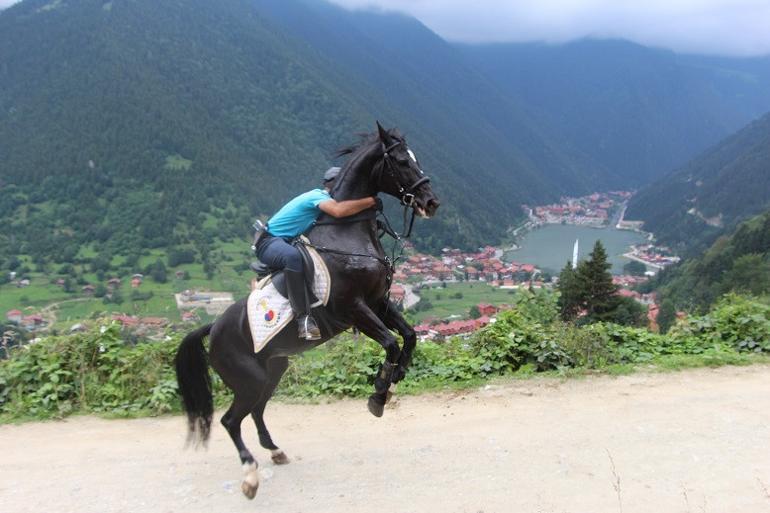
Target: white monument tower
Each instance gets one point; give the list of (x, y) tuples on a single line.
[(575, 255)]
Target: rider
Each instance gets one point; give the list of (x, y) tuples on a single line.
[(292, 220)]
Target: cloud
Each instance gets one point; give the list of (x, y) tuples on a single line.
[(7, 3), (722, 27)]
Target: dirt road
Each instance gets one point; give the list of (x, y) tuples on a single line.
[(695, 441)]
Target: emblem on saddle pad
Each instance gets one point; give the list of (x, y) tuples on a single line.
[(271, 317), (269, 312)]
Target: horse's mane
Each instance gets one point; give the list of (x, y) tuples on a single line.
[(365, 140)]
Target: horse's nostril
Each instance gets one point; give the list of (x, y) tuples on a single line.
[(433, 203)]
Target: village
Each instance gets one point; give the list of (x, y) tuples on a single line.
[(594, 210), (654, 256), (417, 273), (484, 266)]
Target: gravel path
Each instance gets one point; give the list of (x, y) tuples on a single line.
[(693, 441)]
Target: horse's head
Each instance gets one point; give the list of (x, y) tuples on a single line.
[(400, 174)]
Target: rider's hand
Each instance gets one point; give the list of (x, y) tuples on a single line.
[(377, 203)]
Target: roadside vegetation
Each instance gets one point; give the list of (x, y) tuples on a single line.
[(101, 371)]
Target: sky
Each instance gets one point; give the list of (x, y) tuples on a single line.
[(716, 27)]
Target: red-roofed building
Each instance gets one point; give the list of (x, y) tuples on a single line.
[(486, 309), (126, 320), (153, 322), (32, 322), (14, 316), (629, 293), (190, 316)]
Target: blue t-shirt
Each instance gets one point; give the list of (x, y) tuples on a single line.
[(298, 215)]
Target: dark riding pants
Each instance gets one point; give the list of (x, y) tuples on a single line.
[(279, 254)]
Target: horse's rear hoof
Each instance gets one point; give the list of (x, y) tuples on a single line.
[(249, 490), (279, 457), (376, 405)]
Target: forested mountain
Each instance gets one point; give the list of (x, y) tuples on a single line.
[(637, 111), (738, 262), (132, 124), (142, 124), (726, 184)]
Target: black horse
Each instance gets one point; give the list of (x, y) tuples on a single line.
[(360, 274)]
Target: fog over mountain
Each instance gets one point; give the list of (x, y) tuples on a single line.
[(714, 27)]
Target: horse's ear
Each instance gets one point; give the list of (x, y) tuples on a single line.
[(384, 135)]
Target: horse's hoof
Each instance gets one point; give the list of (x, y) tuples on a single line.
[(250, 482), (376, 406), (249, 490), (279, 457)]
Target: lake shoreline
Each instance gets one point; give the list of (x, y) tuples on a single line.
[(549, 246)]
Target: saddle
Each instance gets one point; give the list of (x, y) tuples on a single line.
[(308, 268)]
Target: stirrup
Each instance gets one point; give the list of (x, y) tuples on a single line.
[(307, 328)]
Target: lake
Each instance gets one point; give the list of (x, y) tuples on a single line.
[(550, 246)]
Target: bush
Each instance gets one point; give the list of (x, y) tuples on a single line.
[(99, 371), (739, 322), (515, 340), (93, 371)]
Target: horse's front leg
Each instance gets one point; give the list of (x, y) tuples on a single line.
[(370, 325), (395, 321)]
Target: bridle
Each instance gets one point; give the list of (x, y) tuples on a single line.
[(407, 193)]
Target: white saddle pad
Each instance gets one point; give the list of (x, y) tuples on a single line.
[(269, 311)]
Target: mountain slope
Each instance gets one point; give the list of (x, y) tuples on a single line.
[(637, 111), (133, 124), (738, 262), (723, 186)]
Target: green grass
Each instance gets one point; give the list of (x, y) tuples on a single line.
[(42, 292), (445, 304)]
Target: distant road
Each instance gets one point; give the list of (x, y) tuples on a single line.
[(410, 298)]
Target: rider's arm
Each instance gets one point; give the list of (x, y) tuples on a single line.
[(346, 208)]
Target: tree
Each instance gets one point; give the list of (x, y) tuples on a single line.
[(635, 268), (158, 271), (666, 315), (100, 290), (629, 312), (749, 273), (595, 283), (570, 300), (474, 312)]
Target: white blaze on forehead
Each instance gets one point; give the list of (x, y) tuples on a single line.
[(411, 154)]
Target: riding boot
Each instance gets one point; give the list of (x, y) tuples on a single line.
[(295, 285)]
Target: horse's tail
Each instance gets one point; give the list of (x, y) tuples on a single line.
[(192, 375)]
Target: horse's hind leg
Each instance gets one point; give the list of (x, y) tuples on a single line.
[(275, 369), (247, 381)]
